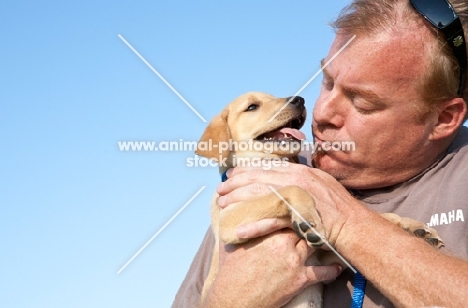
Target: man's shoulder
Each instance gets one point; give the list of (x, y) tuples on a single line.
[(450, 168)]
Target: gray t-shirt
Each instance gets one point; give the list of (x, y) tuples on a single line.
[(438, 196)]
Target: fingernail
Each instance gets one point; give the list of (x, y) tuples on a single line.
[(340, 269), (229, 172), (221, 200), (241, 232)]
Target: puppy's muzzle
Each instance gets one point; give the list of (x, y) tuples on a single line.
[(296, 101)]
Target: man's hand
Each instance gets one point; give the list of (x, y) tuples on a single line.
[(333, 201), (265, 272), (270, 269)]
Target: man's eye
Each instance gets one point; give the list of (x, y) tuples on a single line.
[(364, 107), (363, 111), (252, 107)]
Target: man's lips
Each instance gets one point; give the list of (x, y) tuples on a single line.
[(321, 139), (318, 140)]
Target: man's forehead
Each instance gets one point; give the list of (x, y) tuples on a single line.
[(399, 57)]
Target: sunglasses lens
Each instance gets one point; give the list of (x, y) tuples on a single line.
[(439, 13)]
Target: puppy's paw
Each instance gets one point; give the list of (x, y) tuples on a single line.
[(308, 232), (417, 229), (305, 232), (429, 234), (307, 223)]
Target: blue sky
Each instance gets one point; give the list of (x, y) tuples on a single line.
[(75, 209)]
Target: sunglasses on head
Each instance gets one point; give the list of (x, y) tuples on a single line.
[(441, 15)]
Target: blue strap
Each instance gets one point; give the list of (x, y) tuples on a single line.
[(359, 290), (224, 177)]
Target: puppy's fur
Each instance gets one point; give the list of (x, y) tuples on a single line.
[(257, 118)]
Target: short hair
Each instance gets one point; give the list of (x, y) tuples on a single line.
[(441, 80)]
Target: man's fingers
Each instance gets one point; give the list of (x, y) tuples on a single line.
[(242, 176), (323, 273), (238, 179), (262, 227), (248, 192)]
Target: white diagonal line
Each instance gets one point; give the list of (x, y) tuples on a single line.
[(313, 77), (162, 78), (313, 229), (160, 230)]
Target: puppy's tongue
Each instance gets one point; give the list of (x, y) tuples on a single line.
[(286, 133)]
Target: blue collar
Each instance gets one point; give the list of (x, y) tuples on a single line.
[(224, 176)]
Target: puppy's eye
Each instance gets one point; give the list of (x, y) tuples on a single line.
[(252, 107)]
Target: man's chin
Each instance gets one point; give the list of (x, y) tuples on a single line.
[(328, 164), (349, 177)]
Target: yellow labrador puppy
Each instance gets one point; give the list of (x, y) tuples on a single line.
[(262, 130)]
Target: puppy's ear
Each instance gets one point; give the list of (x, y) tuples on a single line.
[(215, 136)]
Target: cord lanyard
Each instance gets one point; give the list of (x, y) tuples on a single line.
[(359, 290)]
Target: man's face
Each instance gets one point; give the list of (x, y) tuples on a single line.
[(370, 96)]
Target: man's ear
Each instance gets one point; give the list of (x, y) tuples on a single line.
[(451, 115), (214, 142)]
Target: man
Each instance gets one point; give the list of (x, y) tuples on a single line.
[(397, 92)]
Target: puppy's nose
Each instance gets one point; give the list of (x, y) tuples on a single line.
[(296, 101)]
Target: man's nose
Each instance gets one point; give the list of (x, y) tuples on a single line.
[(328, 110)]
